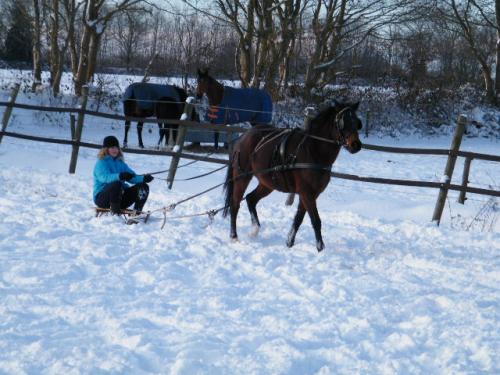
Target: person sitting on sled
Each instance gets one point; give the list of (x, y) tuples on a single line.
[(116, 185)]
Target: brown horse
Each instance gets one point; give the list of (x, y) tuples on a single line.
[(229, 105), (289, 160)]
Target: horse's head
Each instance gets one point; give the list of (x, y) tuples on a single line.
[(346, 125), (203, 82)]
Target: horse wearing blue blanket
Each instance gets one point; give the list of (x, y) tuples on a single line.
[(166, 102), (230, 105)]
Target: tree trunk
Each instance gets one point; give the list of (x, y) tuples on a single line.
[(81, 73), (489, 85), (37, 47), (95, 40), (312, 74), (245, 47), (70, 43), (73, 52), (497, 53), (264, 50), (55, 52), (468, 32), (89, 23), (56, 79)]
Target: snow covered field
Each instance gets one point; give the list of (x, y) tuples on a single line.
[(391, 293)]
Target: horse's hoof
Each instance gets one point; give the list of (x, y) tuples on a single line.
[(255, 231), (320, 246), (234, 239), (290, 241)]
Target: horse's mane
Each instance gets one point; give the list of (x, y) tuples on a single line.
[(322, 117)]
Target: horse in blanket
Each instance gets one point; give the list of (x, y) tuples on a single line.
[(230, 105), (150, 99)]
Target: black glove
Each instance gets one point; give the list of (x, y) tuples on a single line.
[(148, 178), (126, 176)]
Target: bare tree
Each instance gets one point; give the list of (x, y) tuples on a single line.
[(267, 31), (37, 46), (95, 19), (338, 26), (61, 34), (470, 18), (126, 31)]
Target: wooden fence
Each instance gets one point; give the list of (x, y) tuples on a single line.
[(77, 128)]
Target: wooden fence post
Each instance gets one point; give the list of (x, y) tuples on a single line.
[(72, 126), (367, 123), (78, 130), (465, 180), (309, 115), (8, 110), (448, 171), (181, 135)]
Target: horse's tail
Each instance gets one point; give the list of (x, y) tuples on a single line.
[(228, 187)]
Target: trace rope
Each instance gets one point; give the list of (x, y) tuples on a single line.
[(279, 168)]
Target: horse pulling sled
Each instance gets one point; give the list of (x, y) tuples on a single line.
[(129, 216)]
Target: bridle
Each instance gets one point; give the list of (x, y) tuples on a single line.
[(339, 125)]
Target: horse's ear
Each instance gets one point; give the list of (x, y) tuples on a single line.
[(355, 106)]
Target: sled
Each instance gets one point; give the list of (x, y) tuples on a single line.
[(130, 216)]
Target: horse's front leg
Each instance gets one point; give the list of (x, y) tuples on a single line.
[(216, 140), (174, 133), (312, 210), (161, 133), (139, 134), (297, 221), (127, 127)]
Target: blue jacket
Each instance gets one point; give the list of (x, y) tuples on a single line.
[(241, 105), (108, 170)]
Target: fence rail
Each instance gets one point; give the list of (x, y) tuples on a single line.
[(76, 142), (430, 151), (345, 176), (238, 129)]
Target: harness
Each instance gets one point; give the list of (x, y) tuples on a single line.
[(282, 160)]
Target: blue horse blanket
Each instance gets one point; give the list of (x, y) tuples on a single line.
[(242, 105), (147, 94)]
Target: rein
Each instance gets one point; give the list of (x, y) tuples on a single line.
[(278, 168), (211, 213)]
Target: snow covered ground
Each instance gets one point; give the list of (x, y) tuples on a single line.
[(391, 293)]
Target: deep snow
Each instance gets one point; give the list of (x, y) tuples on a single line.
[(391, 293)]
